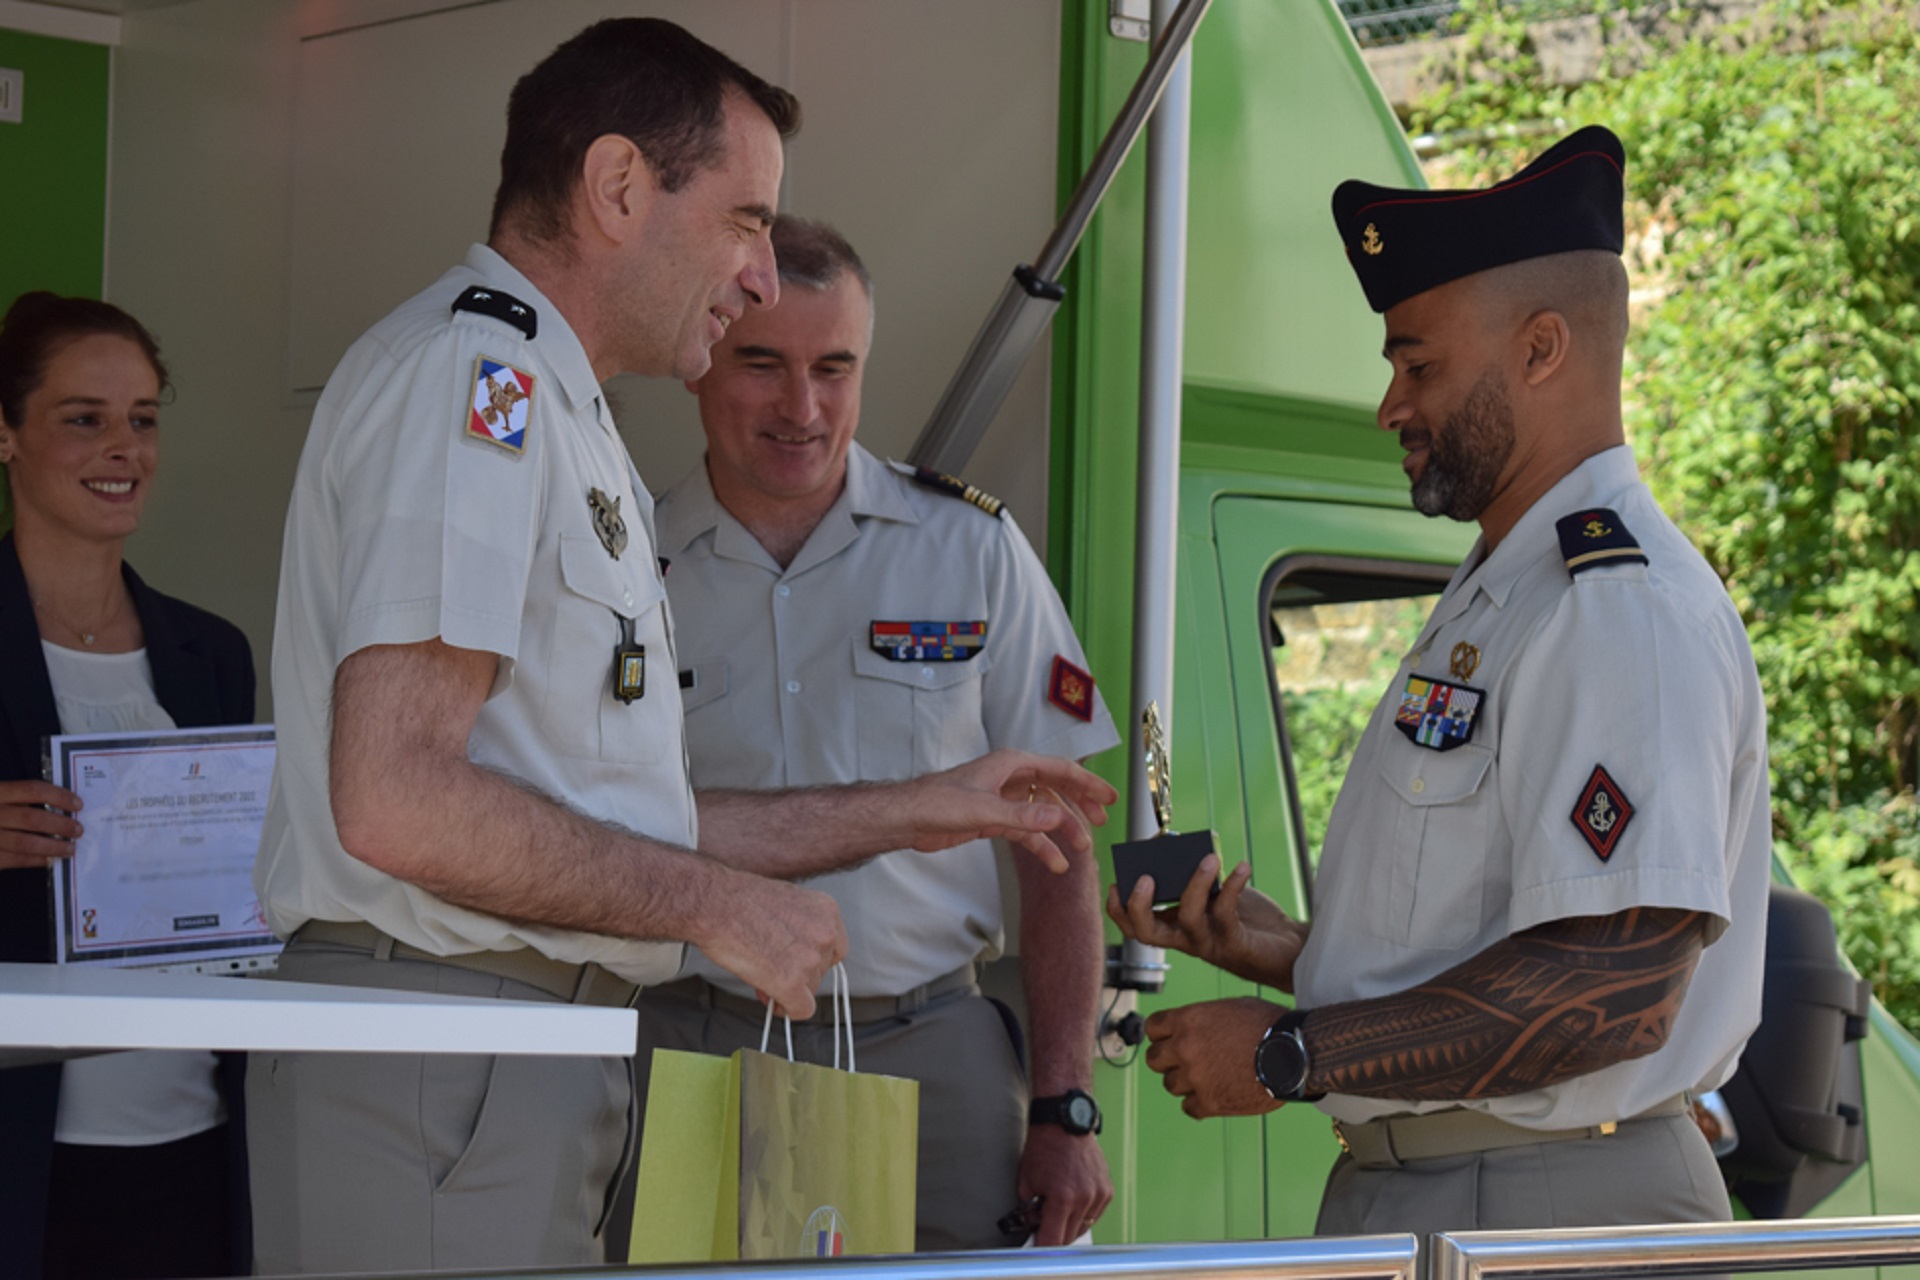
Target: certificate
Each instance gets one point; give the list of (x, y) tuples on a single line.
[(164, 871)]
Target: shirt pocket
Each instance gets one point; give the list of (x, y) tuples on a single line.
[(913, 718), (583, 719), (1440, 846)]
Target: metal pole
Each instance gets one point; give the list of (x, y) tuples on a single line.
[(1026, 305), (1163, 317)]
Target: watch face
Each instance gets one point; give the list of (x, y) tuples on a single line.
[(1281, 1066), (1081, 1113)]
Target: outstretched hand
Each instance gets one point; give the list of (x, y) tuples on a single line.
[(1238, 929), (36, 824), (1014, 795)]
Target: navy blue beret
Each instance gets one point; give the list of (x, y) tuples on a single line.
[(1405, 242)]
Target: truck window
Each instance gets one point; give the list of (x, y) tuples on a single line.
[(1338, 628)]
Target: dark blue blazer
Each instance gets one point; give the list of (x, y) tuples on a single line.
[(203, 673)]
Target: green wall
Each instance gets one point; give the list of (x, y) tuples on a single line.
[(53, 218), (53, 215)]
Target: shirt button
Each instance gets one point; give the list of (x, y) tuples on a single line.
[(1419, 785), (793, 686), (628, 597), (783, 591), (926, 673)]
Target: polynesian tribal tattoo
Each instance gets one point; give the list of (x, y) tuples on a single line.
[(1557, 1001)]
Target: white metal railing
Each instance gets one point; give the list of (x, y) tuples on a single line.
[(1334, 1258), (1683, 1249)]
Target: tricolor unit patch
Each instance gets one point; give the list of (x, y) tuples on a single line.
[(501, 404), (927, 641), (1436, 714), (1602, 814), (1071, 689)]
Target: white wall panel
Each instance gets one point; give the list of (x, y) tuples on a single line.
[(285, 172)]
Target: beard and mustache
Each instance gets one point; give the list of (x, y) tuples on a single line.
[(1467, 455)]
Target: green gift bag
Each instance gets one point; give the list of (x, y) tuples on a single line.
[(757, 1156)]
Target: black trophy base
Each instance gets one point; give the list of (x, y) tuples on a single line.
[(1170, 858)]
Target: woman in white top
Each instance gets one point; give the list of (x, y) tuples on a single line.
[(123, 1164)]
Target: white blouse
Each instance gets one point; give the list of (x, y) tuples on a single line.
[(146, 1096)]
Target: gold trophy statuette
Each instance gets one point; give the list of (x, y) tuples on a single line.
[(1168, 856)]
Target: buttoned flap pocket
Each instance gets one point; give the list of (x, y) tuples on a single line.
[(1442, 855), (701, 683), (589, 571), (603, 599), (916, 717)]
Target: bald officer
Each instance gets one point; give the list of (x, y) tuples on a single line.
[(1538, 923), (481, 787), (845, 619)]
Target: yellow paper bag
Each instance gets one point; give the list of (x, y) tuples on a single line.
[(755, 1156), (687, 1189), (828, 1160)]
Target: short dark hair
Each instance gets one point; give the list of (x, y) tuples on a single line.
[(39, 324), (814, 254), (642, 78)]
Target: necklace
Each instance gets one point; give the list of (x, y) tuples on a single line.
[(88, 638)]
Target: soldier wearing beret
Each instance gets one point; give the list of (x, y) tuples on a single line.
[(1539, 921)]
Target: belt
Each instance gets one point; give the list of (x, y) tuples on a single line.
[(571, 983), (865, 1008), (1391, 1141)]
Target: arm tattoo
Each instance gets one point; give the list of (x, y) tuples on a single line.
[(1557, 1001)]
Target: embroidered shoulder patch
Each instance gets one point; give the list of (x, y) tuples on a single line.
[(958, 488), (1602, 814), (1595, 537), (501, 404), (499, 306), (1071, 689)]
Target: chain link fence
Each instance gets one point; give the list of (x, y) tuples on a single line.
[(1386, 22)]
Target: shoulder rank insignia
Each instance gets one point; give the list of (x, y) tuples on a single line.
[(1595, 537), (960, 489), (501, 403), (1071, 689), (927, 641), (1436, 714), (499, 306), (1602, 813)]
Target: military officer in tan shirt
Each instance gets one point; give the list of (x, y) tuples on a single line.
[(843, 619)]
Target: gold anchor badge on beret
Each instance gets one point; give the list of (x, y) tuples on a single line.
[(1464, 661), (607, 522), (1371, 242)]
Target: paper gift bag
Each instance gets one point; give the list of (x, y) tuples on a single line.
[(757, 1156), (687, 1188)]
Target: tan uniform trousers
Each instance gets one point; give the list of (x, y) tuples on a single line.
[(973, 1092), (1652, 1170), (409, 1162)]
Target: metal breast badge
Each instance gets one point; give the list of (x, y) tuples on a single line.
[(607, 523)]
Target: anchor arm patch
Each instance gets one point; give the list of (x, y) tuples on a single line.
[(1602, 813)]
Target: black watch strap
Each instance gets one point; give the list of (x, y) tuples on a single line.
[(1074, 1111)]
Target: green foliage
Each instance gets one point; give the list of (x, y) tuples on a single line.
[(1773, 375), (1333, 668)]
